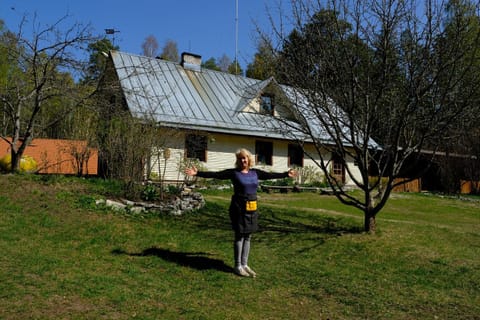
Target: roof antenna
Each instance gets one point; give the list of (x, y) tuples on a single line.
[(236, 36), (112, 32)]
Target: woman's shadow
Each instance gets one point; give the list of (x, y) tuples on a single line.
[(195, 260)]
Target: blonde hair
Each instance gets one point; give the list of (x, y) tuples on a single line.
[(241, 153)]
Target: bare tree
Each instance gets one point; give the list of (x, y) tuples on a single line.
[(375, 70), (39, 66), (131, 144), (170, 51), (224, 62), (150, 46), (84, 124)]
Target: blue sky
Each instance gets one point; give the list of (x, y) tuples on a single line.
[(204, 27)]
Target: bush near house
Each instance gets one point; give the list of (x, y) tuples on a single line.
[(27, 163)]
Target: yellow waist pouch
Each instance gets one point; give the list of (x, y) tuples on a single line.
[(251, 205)]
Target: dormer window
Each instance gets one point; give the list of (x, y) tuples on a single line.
[(266, 104)]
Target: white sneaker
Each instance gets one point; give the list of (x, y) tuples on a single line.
[(241, 272), (249, 271)]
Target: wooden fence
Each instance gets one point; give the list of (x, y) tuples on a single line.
[(468, 187), (408, 186), (57, 156)]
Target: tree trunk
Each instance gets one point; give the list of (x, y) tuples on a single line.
[(14, 160), (370, 222)]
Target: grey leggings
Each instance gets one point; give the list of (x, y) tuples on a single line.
[(241, 248)]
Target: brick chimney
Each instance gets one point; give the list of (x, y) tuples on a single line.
[(191, 61)]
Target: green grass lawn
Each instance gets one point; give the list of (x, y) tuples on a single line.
[(63, 258)]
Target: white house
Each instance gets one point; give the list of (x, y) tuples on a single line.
[(208, 115)]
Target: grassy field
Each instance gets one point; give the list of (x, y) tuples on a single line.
[(63, 258)]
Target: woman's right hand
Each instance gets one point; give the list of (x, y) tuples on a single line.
[(191, 171)]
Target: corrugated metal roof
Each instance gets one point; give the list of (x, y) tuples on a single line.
[(202, 100)]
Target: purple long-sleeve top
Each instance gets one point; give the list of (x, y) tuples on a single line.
[(244, 183)]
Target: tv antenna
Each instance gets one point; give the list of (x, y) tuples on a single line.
[(112, 33), (236, 36)]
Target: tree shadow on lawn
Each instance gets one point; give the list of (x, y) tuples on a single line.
[(215, 216), (306, 231), (195, 260), (274, 222)]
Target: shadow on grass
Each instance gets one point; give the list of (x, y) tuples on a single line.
[(304, 231), (281, 221), (195, 260)]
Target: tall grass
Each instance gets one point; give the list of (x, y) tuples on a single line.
[(64, 258)]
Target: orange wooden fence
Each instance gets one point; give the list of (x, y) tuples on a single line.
[(58, 156)]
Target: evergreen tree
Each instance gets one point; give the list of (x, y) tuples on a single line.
[(211, 64), (264, 63), (235, 68), (97, 51)]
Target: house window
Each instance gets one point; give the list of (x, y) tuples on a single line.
[(264, 152), (196, 147), (295, 155), (266, 104), (338, 168)]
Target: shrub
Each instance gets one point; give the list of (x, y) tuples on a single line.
[(27, 163), (150, 193)]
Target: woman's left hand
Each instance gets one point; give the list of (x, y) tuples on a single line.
[(292, 173), (191, 171)]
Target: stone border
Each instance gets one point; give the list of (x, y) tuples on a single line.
[(185, 202)]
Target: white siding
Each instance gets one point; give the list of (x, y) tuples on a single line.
[(354, 170), (157, 161), (221, 155)]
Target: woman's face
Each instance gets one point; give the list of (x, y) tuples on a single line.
[(243, 161)]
